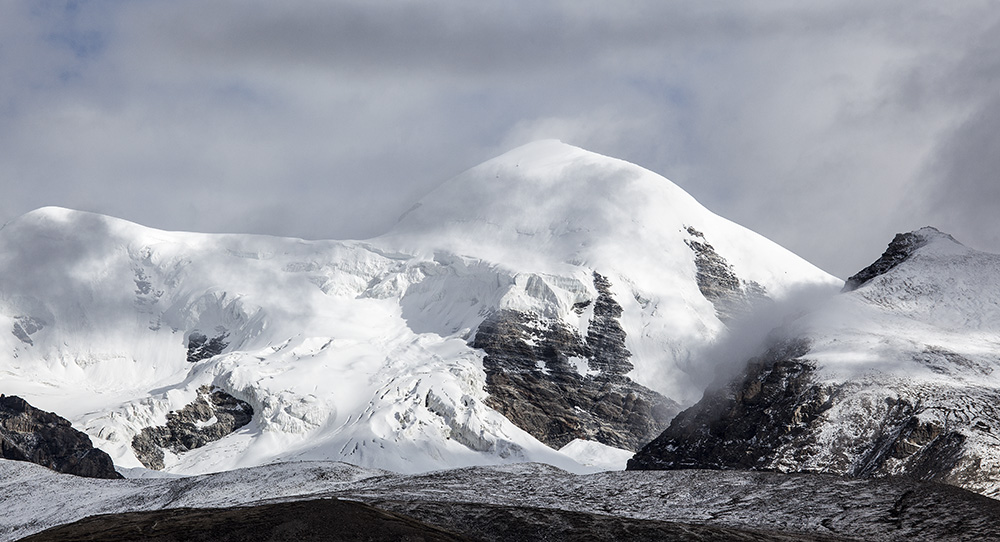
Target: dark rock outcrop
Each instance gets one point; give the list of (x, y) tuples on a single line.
[(30, 434), (743, 424), (770, 417), (189, 427), (314, 520), (557, 386), (731, 296), (201, 347), (605, 349)]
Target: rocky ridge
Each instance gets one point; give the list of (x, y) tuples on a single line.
[(874, 384), (903, 246), (30, 434), (213, 415)]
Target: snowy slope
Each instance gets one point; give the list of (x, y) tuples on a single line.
[(331, 369), (556, 212), (359, 351), (900, 374)]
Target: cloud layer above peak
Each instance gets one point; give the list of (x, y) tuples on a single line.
[(824, 127)]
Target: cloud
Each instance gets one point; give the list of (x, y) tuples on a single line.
[(960, 186), (816, 125)]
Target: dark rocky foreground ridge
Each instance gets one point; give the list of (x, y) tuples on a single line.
[(330, 520), (44, 438), (514, 502), (305, 521)]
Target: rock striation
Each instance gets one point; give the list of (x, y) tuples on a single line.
[(213, 415), (44, 438), (201, 347), (731, 296), (556, 385)]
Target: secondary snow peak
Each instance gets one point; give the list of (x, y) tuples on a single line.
[(902, 247), (897, 376)]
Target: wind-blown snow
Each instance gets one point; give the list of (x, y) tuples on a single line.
[(358, 351), (595, 454)]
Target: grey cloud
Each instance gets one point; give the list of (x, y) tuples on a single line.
[(959, 187), (806, 123)]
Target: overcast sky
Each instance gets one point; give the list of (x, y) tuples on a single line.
[(825, 126)]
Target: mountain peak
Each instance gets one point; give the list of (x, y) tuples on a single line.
[(900, 249), (548, 198)]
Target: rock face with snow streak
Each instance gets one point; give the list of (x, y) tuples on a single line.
[(379, 352), (30, 434), (559, 387), (732, 297), (210, 417), (897, 376)]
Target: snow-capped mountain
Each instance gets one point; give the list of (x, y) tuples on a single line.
[(897, 375), (548, 299)]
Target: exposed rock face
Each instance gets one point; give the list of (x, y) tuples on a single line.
[(213, 415), (30, 434), (557, 386), (25, 326), (201, 347), (899, 250), (778, 417), (731, 296), (606, 350), (744, 424), (924, 450)]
